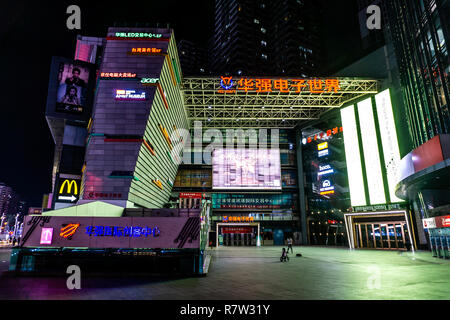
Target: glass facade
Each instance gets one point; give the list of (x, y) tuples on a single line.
[(420, 36)]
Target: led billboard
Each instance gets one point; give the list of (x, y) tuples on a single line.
[(389, 141), (352, 157), (70, 89), (371, 154), (246, 169)]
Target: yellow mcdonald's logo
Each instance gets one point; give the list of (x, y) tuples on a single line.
[(69, 186)]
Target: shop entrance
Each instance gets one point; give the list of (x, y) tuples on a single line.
[(237, 234), (388, 230), (384, 235)]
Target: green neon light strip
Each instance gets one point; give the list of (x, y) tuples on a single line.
[(389, 141), (371, 155), (352, 157), (176, 70)]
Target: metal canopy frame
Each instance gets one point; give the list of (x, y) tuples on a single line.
[(251, 109)]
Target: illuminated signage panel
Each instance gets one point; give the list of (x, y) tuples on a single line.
[(371, 154), (119, 75), (246, 169), (389, 141), (322, 146), (130, 95), (323, 153), (352, 157), (227, 85), (112, 232), (137, 35)]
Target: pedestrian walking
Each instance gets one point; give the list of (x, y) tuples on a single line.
[(289, 242), (284, 257)]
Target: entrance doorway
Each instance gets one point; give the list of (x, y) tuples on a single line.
[(237, 234), (387, 230), (391, 235)]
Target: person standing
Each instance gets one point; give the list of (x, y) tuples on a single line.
[(289, 242)]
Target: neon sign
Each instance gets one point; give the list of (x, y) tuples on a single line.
[(323, 153), (137, 35), (325, 170), (237, 219), (69, 230), (149, 80), (135, 51), (328, 133), (322, 146), (46, 235), (327, 188), (117, 75), (117, 231), (279, 85), (130, 95)]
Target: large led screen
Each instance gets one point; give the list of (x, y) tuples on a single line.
[(246, 169), (70, 90)]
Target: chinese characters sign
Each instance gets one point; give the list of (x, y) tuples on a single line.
[(117, 75), (138, 51), (228, 85), (115, 231), (322, 134), (112, 232), (137, 35), (237, 219)]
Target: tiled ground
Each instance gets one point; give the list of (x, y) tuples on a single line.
[(256, 273)]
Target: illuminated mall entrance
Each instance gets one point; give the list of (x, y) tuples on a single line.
[(237, 234), (389, 230), (383, 235)]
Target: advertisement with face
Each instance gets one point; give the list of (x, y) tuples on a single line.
[(72, 87)]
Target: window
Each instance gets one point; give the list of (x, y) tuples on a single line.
[(256, 21), (263, 30), (263, 43), (264, 56)]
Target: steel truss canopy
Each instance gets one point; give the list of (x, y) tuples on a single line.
[(253, 102)]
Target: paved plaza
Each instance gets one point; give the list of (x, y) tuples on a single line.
[(257, 273)]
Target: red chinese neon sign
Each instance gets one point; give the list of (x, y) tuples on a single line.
[(227, 85), (328, 133)]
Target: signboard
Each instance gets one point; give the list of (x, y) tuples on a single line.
[(145, 51), (253, 201), (67, 190), (429, 223), (118, 75), (323, 134), (229, 85), (237, 230), (119, 232), (237, 219), (191, 195), (130, 95)]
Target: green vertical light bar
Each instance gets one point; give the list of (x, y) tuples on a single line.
[(389, 141), (371, 155), (353, 157)]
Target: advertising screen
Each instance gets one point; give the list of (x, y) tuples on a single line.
[(72, 87), (246, 169), (70, 90)]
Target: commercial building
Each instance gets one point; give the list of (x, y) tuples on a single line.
[(420, 36), (277, 37)]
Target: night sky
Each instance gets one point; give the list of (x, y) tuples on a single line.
[(32, 32)]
